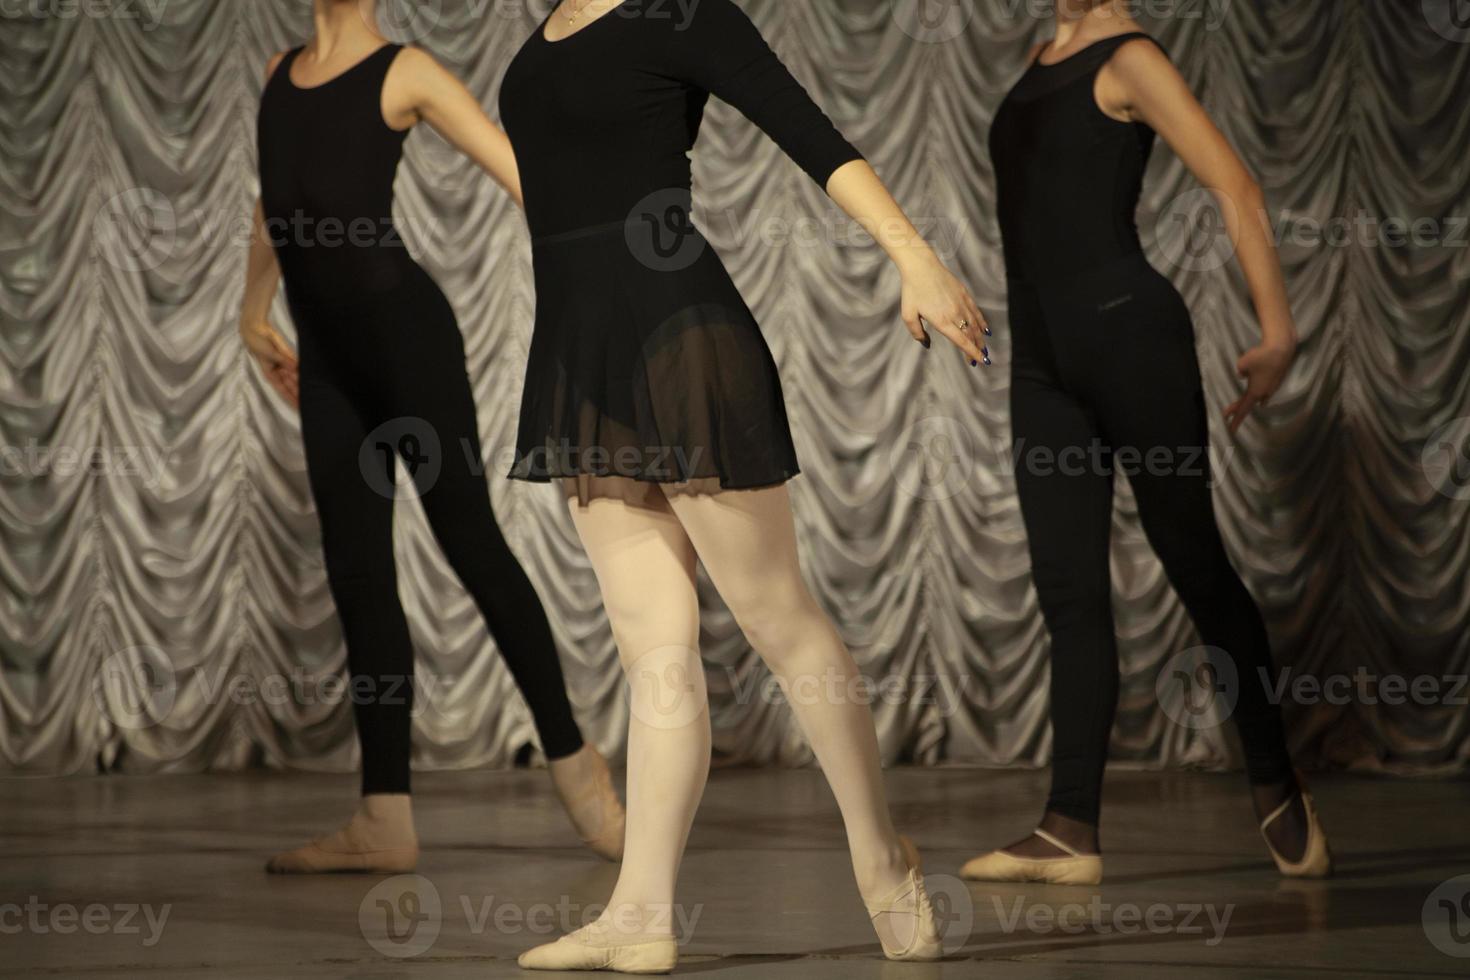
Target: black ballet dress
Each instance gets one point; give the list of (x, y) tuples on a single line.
[(645, 362)]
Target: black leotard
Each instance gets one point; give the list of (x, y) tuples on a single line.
[(1103, 377), (382, 369), (645, 362), (1068, 177), (327, 163)]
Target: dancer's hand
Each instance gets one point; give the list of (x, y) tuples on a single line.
[(932, 295), (1263, 367), (276, 359)]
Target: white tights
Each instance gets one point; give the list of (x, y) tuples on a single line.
[(643, 544)]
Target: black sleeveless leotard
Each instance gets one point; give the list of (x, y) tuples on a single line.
[(327, 164), (1104, 377), (382, 368), (645, 362)]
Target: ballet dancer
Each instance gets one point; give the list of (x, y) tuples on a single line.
[(1103, 358), (652, 397), (379, 344)]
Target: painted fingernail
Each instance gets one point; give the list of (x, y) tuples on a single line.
[(973, 363), (925, 342), (985, 351), (988, 331)]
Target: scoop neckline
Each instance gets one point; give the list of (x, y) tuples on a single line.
[(1038, 63), (340, 75), (606, 14)]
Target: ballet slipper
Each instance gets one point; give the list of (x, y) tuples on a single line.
[(1073, 868), (909, 904), (597, 947), (584, 784), (1316, 860), (379, 839)]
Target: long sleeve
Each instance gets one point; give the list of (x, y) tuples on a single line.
[(719, 50)]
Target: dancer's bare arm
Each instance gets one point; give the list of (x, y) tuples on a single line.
[(1140, 83), (418, 88), (931, 293), (262, 277)]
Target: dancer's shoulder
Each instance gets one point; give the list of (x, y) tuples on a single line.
[(274, 63)]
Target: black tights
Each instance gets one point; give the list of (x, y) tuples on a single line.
[(385, 379), (1105, 378)]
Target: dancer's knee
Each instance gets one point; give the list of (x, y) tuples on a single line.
[(666, 685), (780, 621)]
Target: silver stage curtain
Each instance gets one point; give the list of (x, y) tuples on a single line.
[(161, 587)]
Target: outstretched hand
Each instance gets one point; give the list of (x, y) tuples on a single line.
[(276, 359), (933, 296), (1263, 368)]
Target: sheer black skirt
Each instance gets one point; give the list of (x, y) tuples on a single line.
[(646, 364)]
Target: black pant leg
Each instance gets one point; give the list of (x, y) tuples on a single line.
[(356, 515), (430, 383), (1066, 498), (1155, 416)]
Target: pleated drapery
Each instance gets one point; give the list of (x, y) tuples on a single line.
[(162, 598)]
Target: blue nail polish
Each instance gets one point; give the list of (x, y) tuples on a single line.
[(985, 351), (987, 360), (988, 331)]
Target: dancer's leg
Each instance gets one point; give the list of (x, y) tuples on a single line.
[(431, 384), (1066, 499), (1163, 407), (646, 571), (457, 503), (357, 542), (357, 545), (747, 541), (644, 558)]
